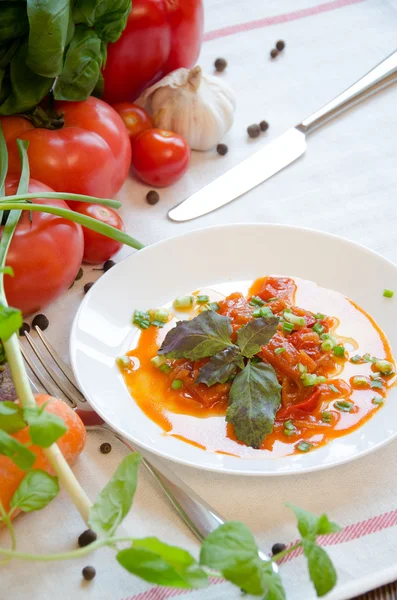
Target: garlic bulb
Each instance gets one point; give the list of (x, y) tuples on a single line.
[(197, 106)]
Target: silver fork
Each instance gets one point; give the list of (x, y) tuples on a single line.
[(55, 376)]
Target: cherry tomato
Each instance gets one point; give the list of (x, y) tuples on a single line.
[(45, 254), (160, 36), (160, 157), (97, 247), (135, 118), (89, 155)]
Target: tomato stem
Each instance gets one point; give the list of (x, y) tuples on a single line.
[(61, 196), (83, 220)]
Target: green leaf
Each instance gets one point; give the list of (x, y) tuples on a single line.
[(13, 21), (321, 570), (221, 366), (232, 550), (325, 526), (45, 427), (254, 398), (205, 335), (161, 564), (16, 451), (26, 87), (10, 321), (108, 18), (310, 525), (272, 581), (49, 21), (11, 417), (115, 500), (255, 334), (82, 66), (35, 491)]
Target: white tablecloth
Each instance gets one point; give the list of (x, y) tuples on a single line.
[(346, 184)]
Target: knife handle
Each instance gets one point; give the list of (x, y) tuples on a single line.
[(381, 76)]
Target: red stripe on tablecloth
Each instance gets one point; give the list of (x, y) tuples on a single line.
[(277, 19), (353, 532), (163, 593), (347, 534)]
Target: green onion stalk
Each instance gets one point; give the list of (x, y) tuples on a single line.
[(16, 204)]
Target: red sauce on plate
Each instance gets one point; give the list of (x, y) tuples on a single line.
[(315, 414)]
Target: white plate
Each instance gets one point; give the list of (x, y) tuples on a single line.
[(102, 328)]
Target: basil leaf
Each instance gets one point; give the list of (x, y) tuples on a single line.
[(272, 580), (17, 452), (321, 570), (11, 417), (82, 66), (13, 21), (108, 18), (325, 526), (115, 500), (221, 366), (161, 564), (255, 334), (254, 398), (45, 428), (10, 321), (24, 87), (35, 491), (49, 21), (310, 525), (205, 335), (232, 550)]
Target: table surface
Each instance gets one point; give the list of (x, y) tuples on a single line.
[(345, 184)]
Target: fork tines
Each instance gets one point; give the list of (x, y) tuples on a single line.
[(57, 377)]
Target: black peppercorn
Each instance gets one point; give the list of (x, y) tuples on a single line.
[(254, 130), (79, 274), (87, 537), (105, 448), (264, 125), (88, 573), (220, 64), (25, 328), (276, 548), (88, 286), (222, 149), (108, 265), (152, 197), (273, 52), (280, 45), (40, 321)]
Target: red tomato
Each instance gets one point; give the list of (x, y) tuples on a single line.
[(89, 155), (160, 157), (135, 118), (160, 36), (45, 254), (97, 247)]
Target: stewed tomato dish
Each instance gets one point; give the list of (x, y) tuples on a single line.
[(280, 367)]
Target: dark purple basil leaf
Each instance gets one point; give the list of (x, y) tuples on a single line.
[(255, 334), (221, 366), (205, 335), (254, 398)]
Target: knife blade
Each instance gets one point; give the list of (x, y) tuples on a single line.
[(246, 175), (283, 151)]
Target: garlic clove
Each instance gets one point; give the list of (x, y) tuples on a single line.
[(197, 106)]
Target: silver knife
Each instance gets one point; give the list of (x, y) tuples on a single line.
[(283, 151)]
